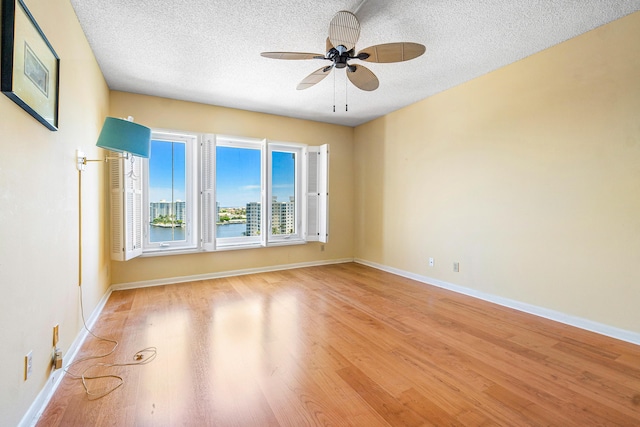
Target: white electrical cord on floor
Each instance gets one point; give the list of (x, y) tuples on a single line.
[(141, 357)]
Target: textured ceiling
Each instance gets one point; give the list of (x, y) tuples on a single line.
[(208, 51)]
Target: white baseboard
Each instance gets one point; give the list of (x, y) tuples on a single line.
[(38, 406), (230, 273), (578, 322)]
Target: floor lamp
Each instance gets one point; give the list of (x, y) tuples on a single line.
[(119, 135), (130, 139)]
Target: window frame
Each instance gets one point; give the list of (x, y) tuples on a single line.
[(191, 241), (297, 237), (241, 242)]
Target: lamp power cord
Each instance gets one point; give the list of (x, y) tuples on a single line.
[(141, 357)]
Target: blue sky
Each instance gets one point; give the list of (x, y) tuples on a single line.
[(283, 165), (162, 185), (237, 174)]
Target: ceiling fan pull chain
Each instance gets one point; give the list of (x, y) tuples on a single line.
[(346, 91), (334, 92)]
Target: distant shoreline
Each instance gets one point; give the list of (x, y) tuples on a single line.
[(167, 225), (232, 222)]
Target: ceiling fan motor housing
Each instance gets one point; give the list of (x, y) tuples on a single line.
[(340, 55)]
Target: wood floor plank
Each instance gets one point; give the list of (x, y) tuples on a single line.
[(387, 406), (430, 411), (343, 345)]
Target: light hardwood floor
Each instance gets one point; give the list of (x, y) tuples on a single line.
[(346, 345)]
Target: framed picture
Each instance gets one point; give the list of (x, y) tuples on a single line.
[(29, 69)]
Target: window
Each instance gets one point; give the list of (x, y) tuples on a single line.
[(285, 187), (239, 170), (168, 189), (209, 192)]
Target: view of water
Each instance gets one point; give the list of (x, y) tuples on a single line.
[(162, 234), (230, 230)]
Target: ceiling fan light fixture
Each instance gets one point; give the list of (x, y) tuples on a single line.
[(341, 49)]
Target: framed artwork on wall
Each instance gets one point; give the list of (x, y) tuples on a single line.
[(29, 69)]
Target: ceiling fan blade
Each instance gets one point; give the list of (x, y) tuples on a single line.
[(392, 52), (314, 77), (291, 55), (363, 78), (344, 29), (329, 45)]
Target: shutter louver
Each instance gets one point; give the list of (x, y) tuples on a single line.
[(323, 190), (117, 225), (312, 194), (207, 193), (317, 193), (136, 210), (126, 207)]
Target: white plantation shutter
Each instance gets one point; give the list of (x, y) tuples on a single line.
[(323, 187), (133, 210), (317, 194), (265, 219), (125, 178), (208, 201), (312, 194), (116, 202)]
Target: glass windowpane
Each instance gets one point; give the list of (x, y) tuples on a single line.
[(283, 203), (167, 191), (238, 192)]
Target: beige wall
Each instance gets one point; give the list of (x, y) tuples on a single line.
[(39, 214), (180, 115), (528, 176)]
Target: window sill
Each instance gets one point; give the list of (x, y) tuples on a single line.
[(285, 242), (221, 248), (165, 252)]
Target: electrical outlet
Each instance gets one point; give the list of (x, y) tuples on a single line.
[(57, 358), (28, 365), (321, 248), (456, 267), (55, 335), (431, 262)]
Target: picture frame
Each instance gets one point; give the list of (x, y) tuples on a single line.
[(29, 66)]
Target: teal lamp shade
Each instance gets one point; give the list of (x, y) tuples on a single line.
[(125, 136)]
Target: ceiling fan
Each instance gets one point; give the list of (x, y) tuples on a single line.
[(344, 31)]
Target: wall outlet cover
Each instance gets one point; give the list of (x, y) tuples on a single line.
[(28, 365), (56, 337)]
